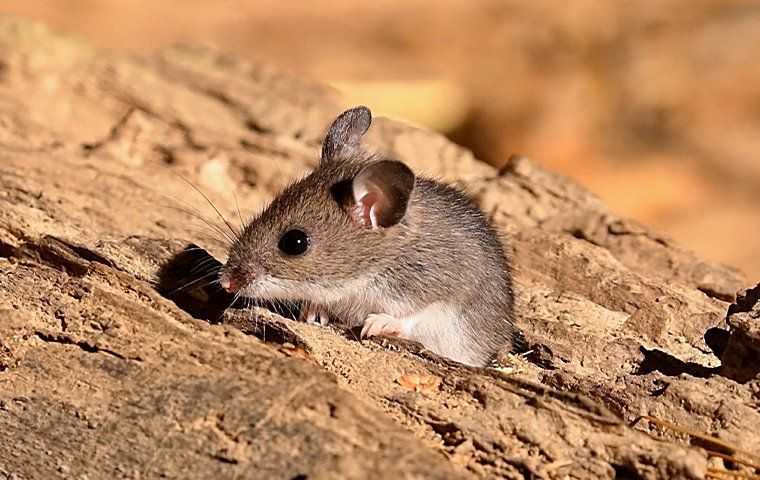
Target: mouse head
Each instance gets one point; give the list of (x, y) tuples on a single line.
[(327, 233)]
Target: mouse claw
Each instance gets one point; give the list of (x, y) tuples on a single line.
[(381, 324), (314, 315)]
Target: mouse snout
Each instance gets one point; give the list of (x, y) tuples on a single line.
[(231, 281), (228, 283)]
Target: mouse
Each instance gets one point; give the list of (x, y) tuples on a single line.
[(364, 242)]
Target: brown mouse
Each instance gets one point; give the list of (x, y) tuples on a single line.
[(364, 241)]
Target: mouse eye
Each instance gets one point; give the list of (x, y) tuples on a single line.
[(294, 242)]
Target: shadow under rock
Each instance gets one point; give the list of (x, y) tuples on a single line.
[(658, 361), (189, 280), (718, 340)]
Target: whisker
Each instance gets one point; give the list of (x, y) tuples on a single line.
[(204, 264), (201, 285), (211, 229), (212, 241), (234, 299), (176, 204), (193, 282), (264, 326), (194, 249), (226, 237), (240, 215), (253, 318), (234, 235)]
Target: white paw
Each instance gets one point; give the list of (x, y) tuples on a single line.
[(381, 324), (314, 315)]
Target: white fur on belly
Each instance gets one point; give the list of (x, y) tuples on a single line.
[(440, 329)]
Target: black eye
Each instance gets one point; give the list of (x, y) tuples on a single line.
[(294, 242)]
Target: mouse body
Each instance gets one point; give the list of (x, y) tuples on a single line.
[(365, 242)]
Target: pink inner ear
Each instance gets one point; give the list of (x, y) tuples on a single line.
[(365, 210)]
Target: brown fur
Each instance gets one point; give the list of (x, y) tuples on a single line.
[(441, 250)]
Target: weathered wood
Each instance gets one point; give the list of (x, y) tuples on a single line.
[(104, 375)]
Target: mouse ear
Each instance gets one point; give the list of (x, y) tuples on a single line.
[(381, 193), (346, 131)]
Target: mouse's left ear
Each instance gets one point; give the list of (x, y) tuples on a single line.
[(381, 193), (346, 131)]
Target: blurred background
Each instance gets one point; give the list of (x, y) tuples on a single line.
[(654, 105)]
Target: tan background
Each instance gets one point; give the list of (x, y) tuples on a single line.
[(655, 106)]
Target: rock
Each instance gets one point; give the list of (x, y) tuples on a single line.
[(741, 358), (117, 357)]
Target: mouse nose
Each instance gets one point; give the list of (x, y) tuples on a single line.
[(228, 283), (235, 279)]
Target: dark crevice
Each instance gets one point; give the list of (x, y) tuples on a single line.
[(580, 234), (73, 259), (225, 459), (167, 154), (577, 233), (745, 301), (258, 148), (540, 355), (136, 105), (7, 359), (113, 134), (665, 363), (740, 346), (254, 126), (250, 123), (659, 390), (189, 280), (620, 228), (450, 433), (625, 472), (87, 254), (712, 293), (7, 250), (82, 344), (266, 329), (188, 137), (717, 340)]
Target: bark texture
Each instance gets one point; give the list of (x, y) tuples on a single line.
[(107, 372)]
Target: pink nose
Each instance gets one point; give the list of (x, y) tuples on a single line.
[(228, 284)]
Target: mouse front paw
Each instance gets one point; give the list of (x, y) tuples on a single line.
[(381, 324), (314, 314)]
